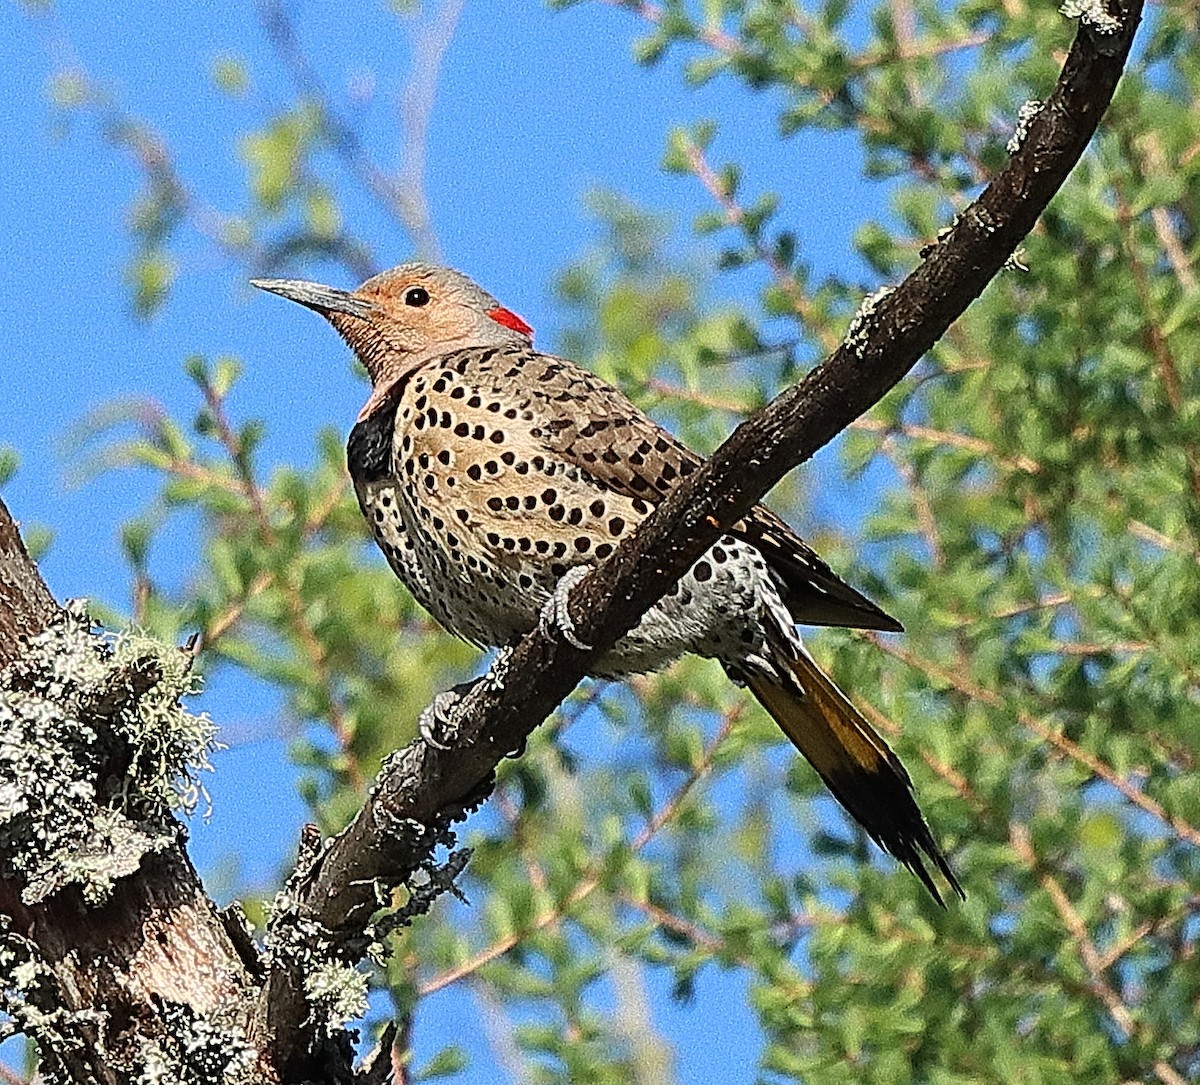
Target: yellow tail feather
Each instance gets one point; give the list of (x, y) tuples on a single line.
[(855, 763)]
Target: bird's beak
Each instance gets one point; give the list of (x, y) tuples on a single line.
[(324, 299)]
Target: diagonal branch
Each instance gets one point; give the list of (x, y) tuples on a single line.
[(401, 193), (422, 791)]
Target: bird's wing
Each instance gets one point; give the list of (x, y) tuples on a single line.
[(595, 426), (813, 592)]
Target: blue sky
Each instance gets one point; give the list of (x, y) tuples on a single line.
[(534, 110)]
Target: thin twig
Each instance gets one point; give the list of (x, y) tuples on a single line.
[(405, 204), (1150, 928), (318, 657), (1156, 164), (735, 215), (1065, 746), (1120, 1013), (1158, 347), (948, 439), (591, 878), (416, 108)]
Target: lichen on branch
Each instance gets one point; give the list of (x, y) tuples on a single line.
[(96, 754)]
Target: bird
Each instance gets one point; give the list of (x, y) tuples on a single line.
[(493, 475)]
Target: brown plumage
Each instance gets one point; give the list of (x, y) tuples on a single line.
[(488, 471)]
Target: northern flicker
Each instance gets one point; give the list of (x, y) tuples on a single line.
[(492, 474)]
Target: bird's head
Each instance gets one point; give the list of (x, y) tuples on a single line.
[(399, 319)]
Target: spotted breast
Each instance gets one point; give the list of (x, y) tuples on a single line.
[(490, 472)]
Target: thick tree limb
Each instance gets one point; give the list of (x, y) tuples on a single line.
[(157, 941), (421, 791), (26, 605)]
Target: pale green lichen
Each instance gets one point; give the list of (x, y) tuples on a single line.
[(96, 751), (31, 1000), (338, 991), (171, 746), (859, 331), (1016, 260), (333, 987), (1092, 13), (1025, 116), (195, 1051)]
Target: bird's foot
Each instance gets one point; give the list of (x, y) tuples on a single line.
[(556, 614), (438, 717)]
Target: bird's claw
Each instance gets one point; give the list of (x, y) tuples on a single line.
[(438, 717), (556, 615)]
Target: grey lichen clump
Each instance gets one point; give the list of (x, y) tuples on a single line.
[(333, 985), (1092, 13), (196, 1052), (34, 1003), (96, 751), (861, 324)]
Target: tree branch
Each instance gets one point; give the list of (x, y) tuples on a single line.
[(26, 605), (421, 791), (110, 974)]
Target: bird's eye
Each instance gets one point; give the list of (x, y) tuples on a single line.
[(416, 295)]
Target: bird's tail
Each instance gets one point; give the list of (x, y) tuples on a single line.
[(855, 763)]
